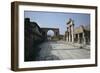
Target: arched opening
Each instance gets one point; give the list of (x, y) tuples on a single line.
[(50, 34)]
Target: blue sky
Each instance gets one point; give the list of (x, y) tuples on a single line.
[(57, 19)]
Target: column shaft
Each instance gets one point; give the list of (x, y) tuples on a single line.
[(72, 32), (69, 34), (84, 39)]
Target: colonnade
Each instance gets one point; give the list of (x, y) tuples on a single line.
[(70, 29)]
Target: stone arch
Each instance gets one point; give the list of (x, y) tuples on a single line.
[(50, 34), (55, 30)]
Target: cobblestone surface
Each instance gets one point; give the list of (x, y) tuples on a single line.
[(61, 50)]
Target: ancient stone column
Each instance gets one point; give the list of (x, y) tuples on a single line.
[(72, 32), (84, 39), (67, 37), (69, 34)]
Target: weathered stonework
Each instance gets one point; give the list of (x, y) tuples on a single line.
[(80, 34)]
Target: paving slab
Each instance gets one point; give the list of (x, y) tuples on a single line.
[(61, 50)]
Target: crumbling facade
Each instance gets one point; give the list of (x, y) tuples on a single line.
[(34, 36)]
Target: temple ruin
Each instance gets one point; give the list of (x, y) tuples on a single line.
[(80, 34)]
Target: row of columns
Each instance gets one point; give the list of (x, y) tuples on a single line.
[(70, 33), (70, 36)]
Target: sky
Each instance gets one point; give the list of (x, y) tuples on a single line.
[(57, 19)]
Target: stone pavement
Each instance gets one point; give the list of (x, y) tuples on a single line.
[(61, 50)]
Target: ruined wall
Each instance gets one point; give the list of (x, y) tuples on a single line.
[(32, 38)]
